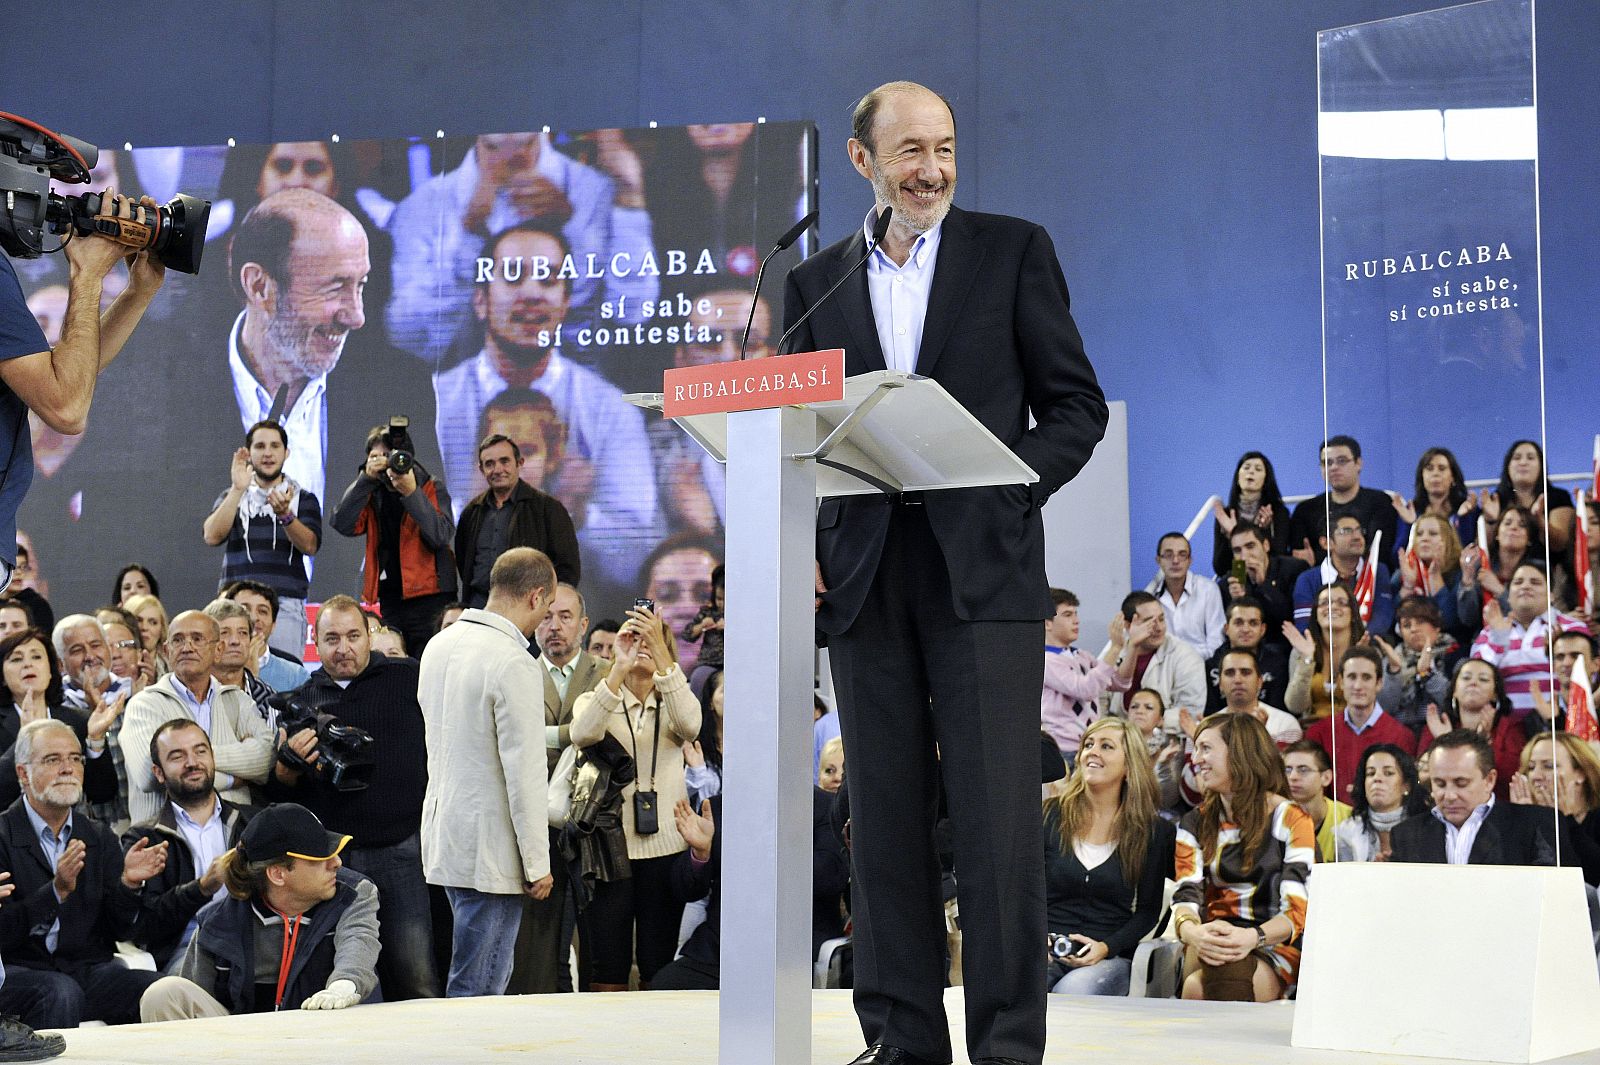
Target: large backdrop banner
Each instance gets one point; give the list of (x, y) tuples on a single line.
[(515, 283)]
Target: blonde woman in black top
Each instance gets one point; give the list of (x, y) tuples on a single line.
[(1107, 855)]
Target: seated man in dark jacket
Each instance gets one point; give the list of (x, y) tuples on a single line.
[(289, 898), (197, 825), (77, 894), (1467, 826)]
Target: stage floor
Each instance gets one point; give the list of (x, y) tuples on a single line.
[(671, 1027)]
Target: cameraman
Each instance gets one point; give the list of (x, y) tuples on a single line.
[(58, 384), (377, 694), (409, 571)]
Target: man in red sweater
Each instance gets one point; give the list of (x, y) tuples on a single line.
[(1346, 736)]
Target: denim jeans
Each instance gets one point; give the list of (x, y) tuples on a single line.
[(1109, 977), (405, 922), (485, 942)]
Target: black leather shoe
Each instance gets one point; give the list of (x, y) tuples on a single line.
[(18, 1042), (878, 1054)]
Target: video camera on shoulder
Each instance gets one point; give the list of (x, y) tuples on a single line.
[(30, 156), (344, 752), (397, 438)]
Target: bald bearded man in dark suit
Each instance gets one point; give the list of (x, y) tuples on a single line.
[(931, 604)]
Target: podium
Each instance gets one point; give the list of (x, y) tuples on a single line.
[(784, 447), (1460, 962)]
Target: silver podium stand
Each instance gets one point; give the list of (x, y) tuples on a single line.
[(890, 432)]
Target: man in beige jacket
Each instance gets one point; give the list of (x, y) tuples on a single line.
[(484, 820), (241, 740)]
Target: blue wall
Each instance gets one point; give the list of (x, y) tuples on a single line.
[(1169, 148)]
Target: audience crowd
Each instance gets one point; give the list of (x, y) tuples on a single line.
[(291, 833)]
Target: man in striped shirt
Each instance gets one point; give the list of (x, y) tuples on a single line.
[(1518, 644)]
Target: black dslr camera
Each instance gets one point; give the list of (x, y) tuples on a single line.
[(397, 438), (344, 752), (31, 155)]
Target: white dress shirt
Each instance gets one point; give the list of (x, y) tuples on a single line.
[(900, 296), (1196, 618), (1458, 841)]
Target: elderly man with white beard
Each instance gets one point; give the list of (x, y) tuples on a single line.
[(76, 894)]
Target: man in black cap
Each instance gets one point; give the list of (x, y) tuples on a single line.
[(296, 930)]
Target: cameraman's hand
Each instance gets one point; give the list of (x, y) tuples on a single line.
[(377, 463), (145, 271), (92, 257), (404, 483), (304, 744)]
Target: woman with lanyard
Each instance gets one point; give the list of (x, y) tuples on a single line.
[(646, 704)]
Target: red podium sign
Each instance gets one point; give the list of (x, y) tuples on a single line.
[(779, 381)]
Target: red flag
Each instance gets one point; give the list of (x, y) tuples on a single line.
[(1581, 573), (1581, 721), (1367, 580)]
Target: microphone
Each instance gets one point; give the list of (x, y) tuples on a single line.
[(783, 242), (879, 228)]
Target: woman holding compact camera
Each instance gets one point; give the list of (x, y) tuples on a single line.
[(1107, 853), (646, 704)]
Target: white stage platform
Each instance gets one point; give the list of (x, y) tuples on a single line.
[(672, 1027)]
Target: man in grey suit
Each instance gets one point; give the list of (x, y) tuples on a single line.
[(569, 671)]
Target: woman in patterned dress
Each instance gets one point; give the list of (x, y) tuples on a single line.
[(1241, 863)]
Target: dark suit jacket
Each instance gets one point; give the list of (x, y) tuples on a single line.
[(1000, 338), (95, 916), (588, 675), (1510, 835), (99, 774), (171, 898)]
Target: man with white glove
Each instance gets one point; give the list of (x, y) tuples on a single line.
[(297, 929)]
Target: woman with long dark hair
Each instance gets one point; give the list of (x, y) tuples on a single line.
[(1241, 863), (1523, 484), (1107, 853), (1252, 497), (1386, 792), (1439, 488)]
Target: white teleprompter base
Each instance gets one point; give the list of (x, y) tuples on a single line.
[(1466, 962)]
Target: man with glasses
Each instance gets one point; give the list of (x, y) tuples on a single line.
[(1192, 603), (241, 739), (1341, 469), (1346, 555), (691, 484), (76, 894)]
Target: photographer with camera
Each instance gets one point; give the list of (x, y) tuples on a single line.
[(58, 383), (97, 230), (381, 805), (405, 515)]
